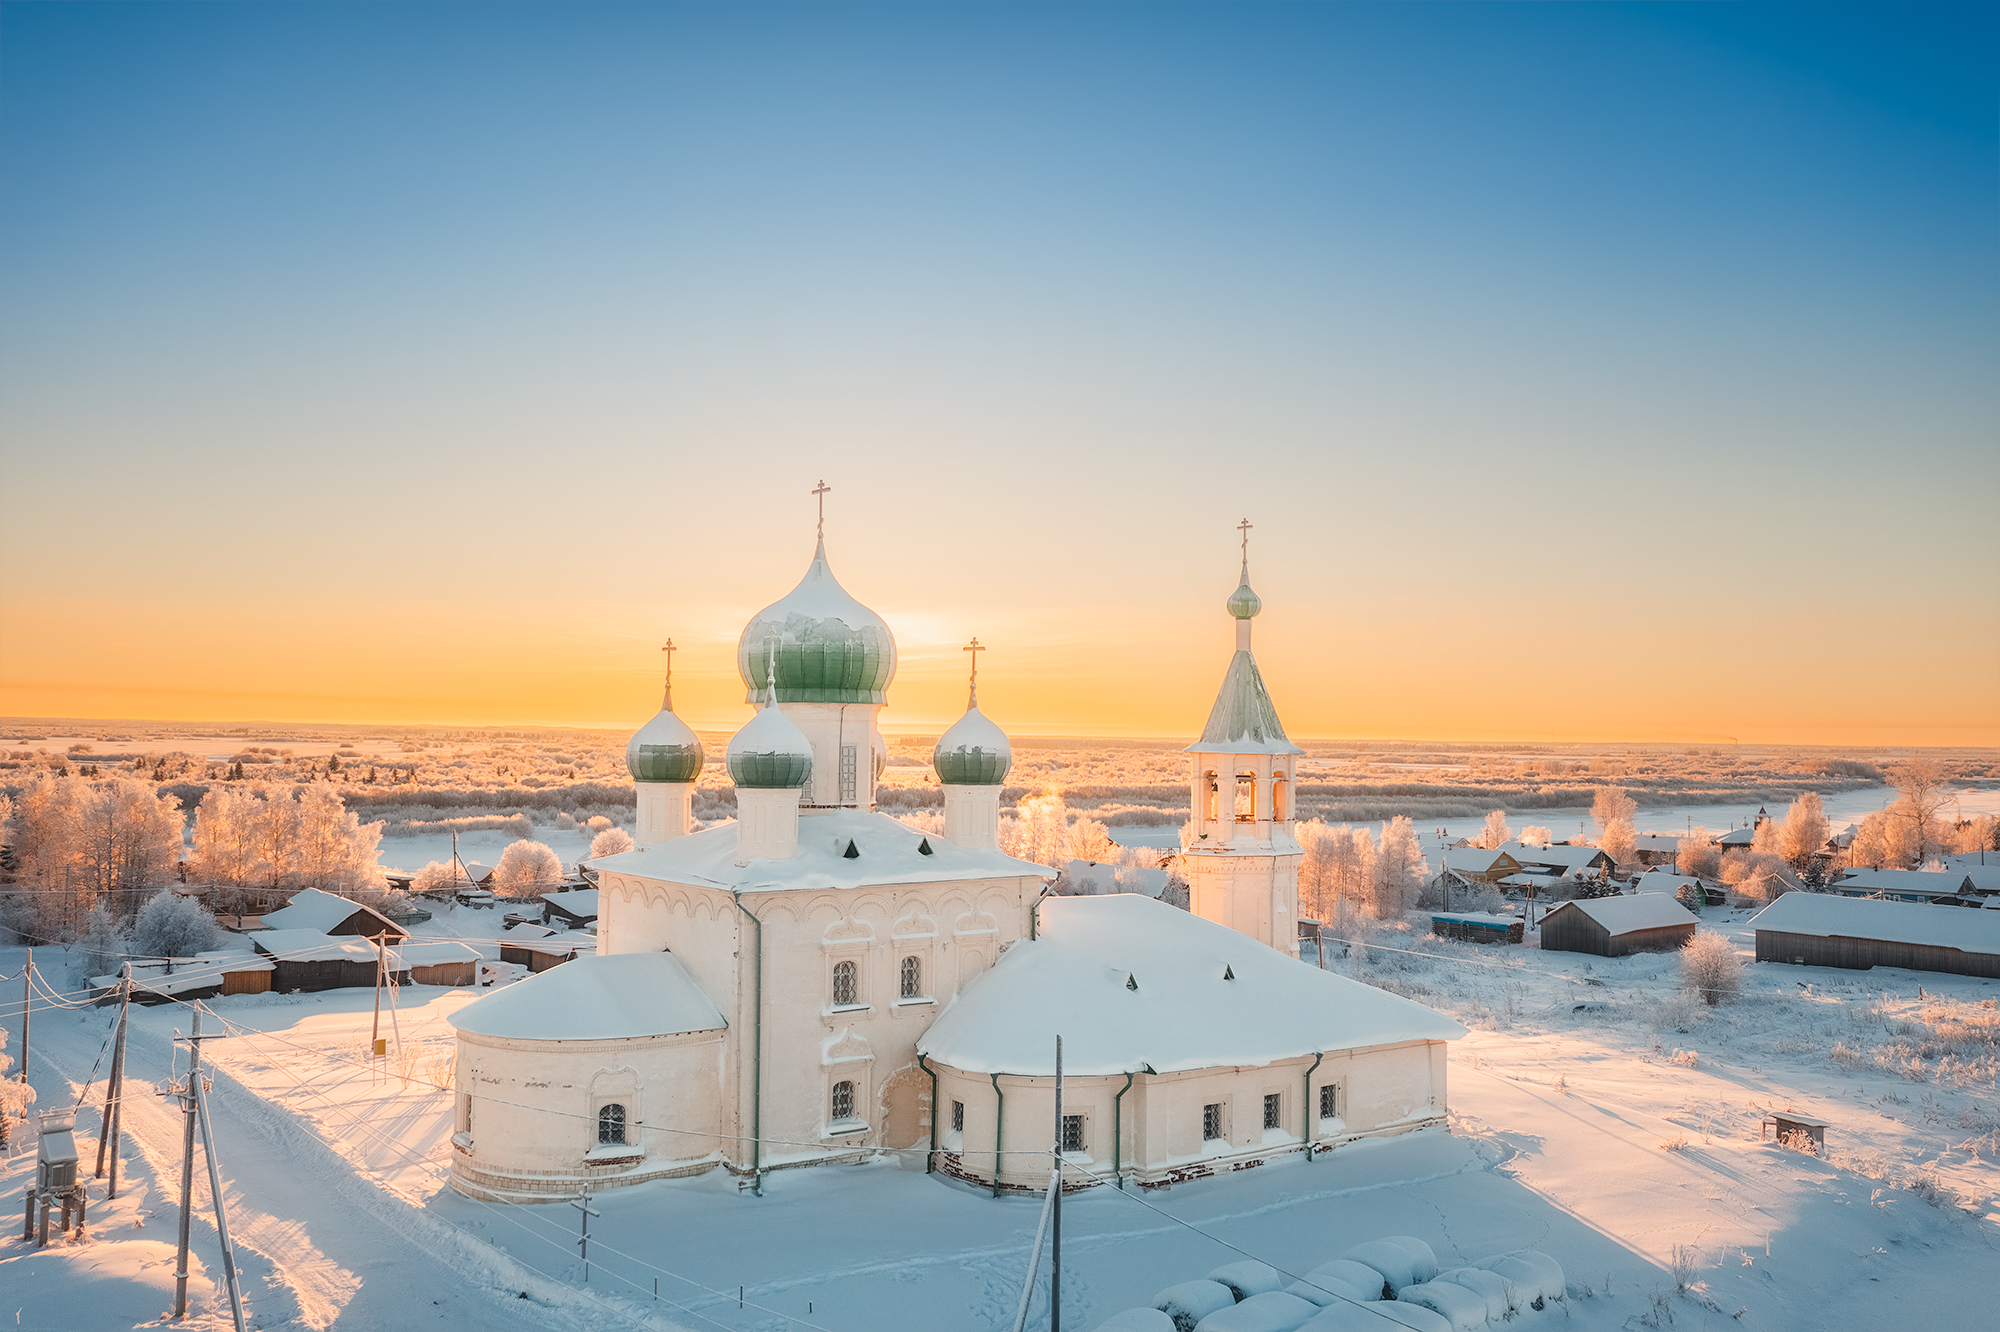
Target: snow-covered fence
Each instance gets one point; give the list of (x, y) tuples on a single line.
[(1396, 1278)]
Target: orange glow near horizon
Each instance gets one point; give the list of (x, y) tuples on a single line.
[(1132, 674)]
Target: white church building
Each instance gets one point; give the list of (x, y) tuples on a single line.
[(816, 982)]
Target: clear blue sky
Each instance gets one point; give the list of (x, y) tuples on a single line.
[(334, 327)]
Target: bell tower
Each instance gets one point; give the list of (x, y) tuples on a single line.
[(1242, 858)]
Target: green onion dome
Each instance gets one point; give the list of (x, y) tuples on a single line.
[(830, 647), (770, 753), (665, 749), (1243, 603), (974, 752)]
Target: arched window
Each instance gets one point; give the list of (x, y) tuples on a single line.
[(1278, 798), (843, 1100), (1213, 796), (843, 983), (913, 977), (611, 1124), (1246, 797)]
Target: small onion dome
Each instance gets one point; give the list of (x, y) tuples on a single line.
[(1243, 603), (830, 647), (666, 749), (974, 752), (770, 753)]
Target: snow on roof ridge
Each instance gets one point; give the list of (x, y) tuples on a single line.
[(614, 997), (1641, 911), (1830, 916)]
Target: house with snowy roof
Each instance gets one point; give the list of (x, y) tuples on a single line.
[(1896, 885), (765, 990), (1560, 860), (330, 913)]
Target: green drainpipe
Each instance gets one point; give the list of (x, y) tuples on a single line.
[(930, 1160), (756, 1057), (1311, 1115), (999, 1108), (1035, 911), (1118, 1131)]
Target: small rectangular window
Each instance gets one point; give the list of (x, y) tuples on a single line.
[(958, 1116), (1271, 1106), (1329, 1101), (850, 773), (1072, 1133), (1211, 1121)]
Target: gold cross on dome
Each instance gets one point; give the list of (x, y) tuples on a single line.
[(975, 647), (1244, 528), (669, 650), (821, 490)]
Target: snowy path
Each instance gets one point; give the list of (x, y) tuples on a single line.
[(319, 1246)]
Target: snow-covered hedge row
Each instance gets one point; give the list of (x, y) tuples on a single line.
[(1396, 1276)]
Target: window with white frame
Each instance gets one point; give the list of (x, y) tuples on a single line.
[(1211, 1122), (958, 1116), (845, 988), (610, 1124), (1329, 1101), (912, 974), (1273, 1110), (1072, 1133), (843, 1101)]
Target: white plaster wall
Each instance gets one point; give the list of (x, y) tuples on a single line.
[(829, 726)]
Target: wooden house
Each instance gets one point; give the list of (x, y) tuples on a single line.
[(329, 913), (1615, 926), (1823, 930), (1561, 860), (204, 976), (308, 960), (572, 910), (1907, 885), (1476, 864), (1654, 849), (439, 962)]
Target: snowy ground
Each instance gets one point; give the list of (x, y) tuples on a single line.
[(1609, 1137)]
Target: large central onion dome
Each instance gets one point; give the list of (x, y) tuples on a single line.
[(830, 647), (974, 752), (770, 753), (665, 749)]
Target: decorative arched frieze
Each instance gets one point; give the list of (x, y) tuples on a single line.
[(845, 1047), (915, 925)]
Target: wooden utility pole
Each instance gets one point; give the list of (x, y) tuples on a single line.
[(200, 1096), (375, 1045), (27, 998), (187, 1168), (114, 1091), (582, 1204), (1055, 1216)]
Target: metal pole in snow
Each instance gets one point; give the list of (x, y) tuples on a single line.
[(187, 1169), (1055, 1212), (582, 1203), (115, 1094), (27, 996), (221, 1214)]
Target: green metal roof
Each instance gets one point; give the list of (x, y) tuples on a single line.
[(1243, 720), (830, 647)]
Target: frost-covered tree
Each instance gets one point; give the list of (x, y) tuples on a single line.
[(1619, 841), (1611, 805), (1496, 833), (1318, 891), (1870, 848), (76, 838), (101, 947), (1980, 833), (1711, 968), (1925, 787), (610, 842), (1698, 856), (15, 1095), (172, 925), (273, 837), (1399, 869), (437, 877), (526, 869), (1039, 831), (1759, 874), (1805, 830)]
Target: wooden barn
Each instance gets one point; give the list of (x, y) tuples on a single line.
[(204, 976), (572, 910), (438, 963), (541, 954), (309, 960), (1476, 927), (1821, 930), (1476, 864), (1615, 926), (329, 913)]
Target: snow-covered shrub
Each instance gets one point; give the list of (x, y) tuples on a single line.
[(1137, 1320), (1397, 1264), (437, 877), (1711, 968), (170, 925), (1272, 1311), (526, 869), (1364, 1281), (1460, 1306), (1248, 1277), (1378, 1317), (610, 842), (1681, 1010), (100, 949), (1536, 1276), (1500, 1294), (1191, 1301)]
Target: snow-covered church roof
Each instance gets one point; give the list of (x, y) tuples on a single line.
[(885, 852), (1132, 984), (618, 997)]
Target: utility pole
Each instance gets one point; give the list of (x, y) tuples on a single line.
[(1055, 1215), (200, 1095), (27, 997), (582, 1204), (187, 1168), (375, 1037), (114, 1092)]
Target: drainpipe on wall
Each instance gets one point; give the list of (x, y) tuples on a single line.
[(756, 1055), (931, 1160), (1035, 910), (999, 1108), (1118, 1132), (1312, 1111)]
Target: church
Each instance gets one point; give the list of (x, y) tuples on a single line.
[(816, 982)]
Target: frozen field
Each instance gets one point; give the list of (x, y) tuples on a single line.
[(1615, 1138)]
